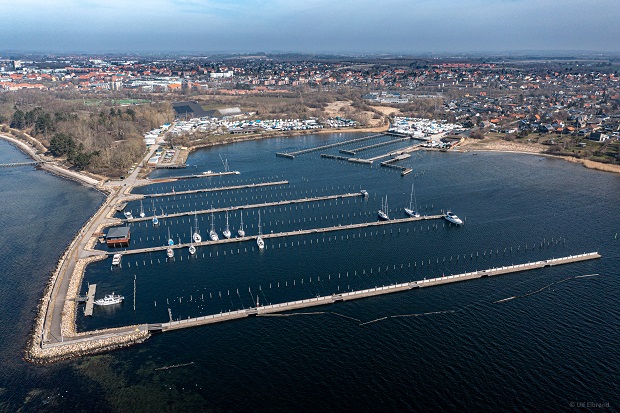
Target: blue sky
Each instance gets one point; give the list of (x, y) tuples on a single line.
[(350, 26)]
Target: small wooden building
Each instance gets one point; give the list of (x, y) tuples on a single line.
[(118, 237)]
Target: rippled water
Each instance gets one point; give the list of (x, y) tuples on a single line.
[(545, 350)]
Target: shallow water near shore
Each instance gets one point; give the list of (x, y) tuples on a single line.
[(455, 350)]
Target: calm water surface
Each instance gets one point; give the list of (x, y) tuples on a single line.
[(451, 348)]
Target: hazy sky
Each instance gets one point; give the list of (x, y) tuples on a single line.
[(309, 25)]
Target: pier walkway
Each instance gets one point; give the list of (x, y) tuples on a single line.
[(282, 234), (250, 206), (216, 189), (9, 165), (90, 300), (373, 146), (292, 155), (370, 292)]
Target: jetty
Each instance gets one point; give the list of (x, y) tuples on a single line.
[(284, 234), (252, 206), (216, 189), (369, 292), (14, 164), (90, 300), (373, 146), (292, 155)]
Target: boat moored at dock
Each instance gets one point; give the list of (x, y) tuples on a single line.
[(110, 299), (452, 218)]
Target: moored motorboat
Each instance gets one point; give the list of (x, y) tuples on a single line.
[(116, 259), (452, 218), (110, 299)]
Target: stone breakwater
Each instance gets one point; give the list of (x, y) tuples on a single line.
[(41, 348), (73, 348), (69, 312)]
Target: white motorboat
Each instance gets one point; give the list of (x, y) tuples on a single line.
[(110, 299), (128, 214), (241, 232), (169, 252), (364, 193), (196, 235), (259, 238), (452, 218), (411, 211), (383, 212), (142, 214), (226, 232), (213, 234), (116, 259)]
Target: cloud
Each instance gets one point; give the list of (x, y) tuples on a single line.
[(310, 25)]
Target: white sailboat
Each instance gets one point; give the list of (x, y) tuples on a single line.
[(142, 214), (383, 212), (170, 240), (241, 232), (212, 234), (155, 220), (411, 211), (227, 230), (259, 238), (192, 249), (196, 235)]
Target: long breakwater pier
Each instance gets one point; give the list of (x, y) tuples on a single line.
[(370, 292), (284, 234), (252, 206), (292, 155)]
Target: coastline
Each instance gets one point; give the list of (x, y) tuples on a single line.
[(538, 150)]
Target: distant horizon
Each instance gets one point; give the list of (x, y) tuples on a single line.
[(314, 26), (4, 54)]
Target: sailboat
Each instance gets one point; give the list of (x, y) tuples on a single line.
[(196, 235), (212, 234), (170, 240), (383, 212), (241, 232), (155, 220), (227, 230), (142, 214), (192, 249), (411, 211), (259, 239)]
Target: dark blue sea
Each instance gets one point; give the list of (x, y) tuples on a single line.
[(449, 348)]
